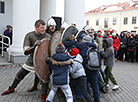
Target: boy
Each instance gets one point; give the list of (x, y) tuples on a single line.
[(59, 65), (108, 55)]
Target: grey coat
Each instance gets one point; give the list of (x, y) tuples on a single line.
[(108, 54), (76, 68)]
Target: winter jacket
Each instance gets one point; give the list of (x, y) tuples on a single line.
[(136, 39), (59, 66), (76, 68), (131, 44), (123, 41), (108, 54), (69, 44), (99, 41), (83, 47), (116, 43)]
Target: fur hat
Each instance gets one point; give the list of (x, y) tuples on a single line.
[(86, 38), (74, 52), (51, 22), (60, 48)]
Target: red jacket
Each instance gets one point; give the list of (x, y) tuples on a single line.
[(116, 43)]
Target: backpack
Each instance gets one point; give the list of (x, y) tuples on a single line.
[(93, 58)]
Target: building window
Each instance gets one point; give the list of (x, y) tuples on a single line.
[(87, 22), (134, 19), (125, 20), (114, 21), (106, 23), (2, 7), (97, 22)]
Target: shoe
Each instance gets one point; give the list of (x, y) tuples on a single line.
[(115, 87), (103, 90), (48, 101), (115, 60), (107, 85), (10, 90), (43, 98), (32, 89)]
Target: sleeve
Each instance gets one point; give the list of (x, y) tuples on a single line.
[(106, 53), (27, 42)]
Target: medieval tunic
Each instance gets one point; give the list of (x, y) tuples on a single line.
[(29, 41)]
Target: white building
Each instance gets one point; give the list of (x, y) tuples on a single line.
[(21, 15), (119, 17)]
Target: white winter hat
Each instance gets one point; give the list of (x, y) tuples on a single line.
[(51, 22), (113, 33)]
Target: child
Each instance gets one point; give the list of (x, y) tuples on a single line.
[(108, 55), (59, 65), (78, 73), (70, 42)]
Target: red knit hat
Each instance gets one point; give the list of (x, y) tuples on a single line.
[(99, 31), (74, 52), (108, 31)]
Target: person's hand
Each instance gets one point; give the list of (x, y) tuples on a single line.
[(37, 42), (102, 50)]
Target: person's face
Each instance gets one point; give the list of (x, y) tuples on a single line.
[(40, 29), (52, 28), (92, 31)]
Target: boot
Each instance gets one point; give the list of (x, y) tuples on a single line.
[(43, 98), (10, 90), (36, 81)]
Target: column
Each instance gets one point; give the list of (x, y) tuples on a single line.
[(25, 13), (74, 12), (47, 8)]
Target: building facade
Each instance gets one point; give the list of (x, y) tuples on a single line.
[(22, 14), (119, 17)]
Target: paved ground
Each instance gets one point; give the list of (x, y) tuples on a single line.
[(124, 72)]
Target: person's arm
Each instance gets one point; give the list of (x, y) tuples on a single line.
[(31, 49), (106, 53)]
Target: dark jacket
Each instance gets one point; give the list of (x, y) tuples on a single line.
[(83, 47), (136, 39), (69, 44), (59, 66), (108, 54), (123, 41), (131, 44)]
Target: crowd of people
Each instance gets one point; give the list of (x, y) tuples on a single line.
[(125, 45), (69, 66)]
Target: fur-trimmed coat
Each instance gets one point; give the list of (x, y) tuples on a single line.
[(59, 66)]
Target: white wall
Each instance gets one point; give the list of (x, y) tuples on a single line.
[(6, 18)]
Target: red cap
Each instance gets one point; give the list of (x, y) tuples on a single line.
[(99, 31), (74, 52), (108, 31)]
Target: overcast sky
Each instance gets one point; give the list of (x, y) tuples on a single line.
[(92, 4)]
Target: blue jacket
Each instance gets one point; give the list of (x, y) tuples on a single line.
[(83, 47), (59, 66)]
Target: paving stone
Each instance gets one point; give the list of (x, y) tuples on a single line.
[(125, 74)]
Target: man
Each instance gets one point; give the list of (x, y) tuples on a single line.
[(93, 34), (32, 39), (51, 27)]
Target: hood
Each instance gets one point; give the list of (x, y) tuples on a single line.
[(78, 58), (69, 43), (110, 41)]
